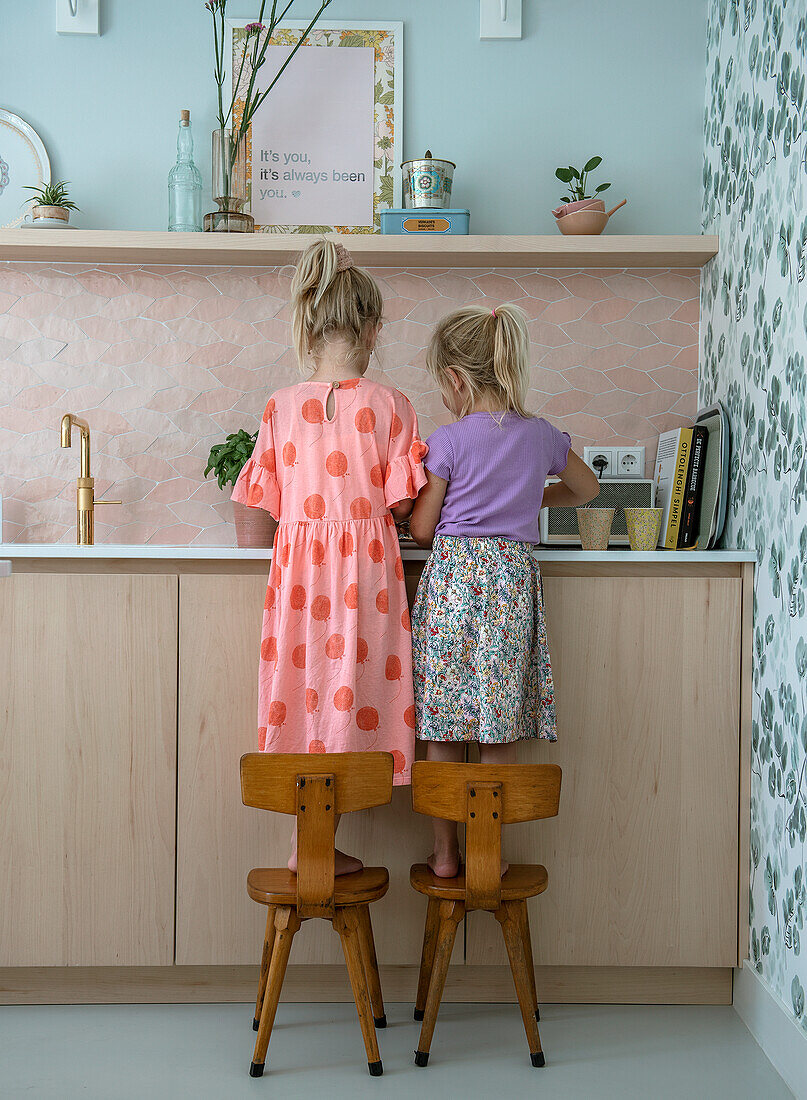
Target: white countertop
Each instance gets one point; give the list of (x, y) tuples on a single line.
[(63, 550)]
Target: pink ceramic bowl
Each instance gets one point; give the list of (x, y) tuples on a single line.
[(580, 222), (567, 208)]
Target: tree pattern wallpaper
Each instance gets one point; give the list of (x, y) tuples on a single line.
[(753, 346)]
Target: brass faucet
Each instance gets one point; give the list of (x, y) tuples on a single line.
[(85, 485)]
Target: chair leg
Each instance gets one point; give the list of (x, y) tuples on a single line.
[(266, 958), (508, 917), (427, 956), (450, 913), (346, 923), (370, 963), (524, 918), (286, 924)]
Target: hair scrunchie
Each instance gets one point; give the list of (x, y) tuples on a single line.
[(344, 260)]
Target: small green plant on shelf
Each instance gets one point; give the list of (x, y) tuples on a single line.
[(577, 181), (52, 194), (228, 459)]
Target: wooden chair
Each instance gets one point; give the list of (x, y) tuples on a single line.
[(317, 789), (484, 797)]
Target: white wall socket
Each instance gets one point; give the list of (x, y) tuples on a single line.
[(619, 461), (629, 462), (595, 456)]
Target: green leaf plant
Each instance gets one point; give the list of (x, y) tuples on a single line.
[(577, 180), (227, 459), (52, 194)]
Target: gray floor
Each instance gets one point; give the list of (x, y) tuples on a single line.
[(147, 1052)]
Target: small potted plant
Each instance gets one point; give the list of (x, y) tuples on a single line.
[(580, 212), (254, 527), (51, 201)]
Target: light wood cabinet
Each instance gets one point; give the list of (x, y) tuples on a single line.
[(129, 693), (219, 839), (87, 769), (643, 857)]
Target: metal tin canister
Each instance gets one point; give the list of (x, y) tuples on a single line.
[(427, 183)]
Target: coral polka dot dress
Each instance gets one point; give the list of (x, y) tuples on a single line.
[(335, 670)]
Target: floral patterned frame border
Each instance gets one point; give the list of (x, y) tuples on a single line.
[(387, 40)]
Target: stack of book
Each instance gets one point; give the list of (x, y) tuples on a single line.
[(680, 469)]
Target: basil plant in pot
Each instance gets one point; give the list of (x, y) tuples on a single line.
[(254, 527)]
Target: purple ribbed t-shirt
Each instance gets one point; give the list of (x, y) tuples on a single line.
[(495, 468)]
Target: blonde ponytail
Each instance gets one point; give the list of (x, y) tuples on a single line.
[(488, 350), (331, 299)]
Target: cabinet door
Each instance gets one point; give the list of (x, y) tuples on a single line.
[(642, 858), (87, 769), (219, 839)]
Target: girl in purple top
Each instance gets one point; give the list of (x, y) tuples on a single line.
[(481, 663)]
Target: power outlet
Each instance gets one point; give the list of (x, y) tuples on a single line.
[(609, 463), (602, 460), (629, 462)]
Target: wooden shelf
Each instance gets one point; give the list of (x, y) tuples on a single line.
[(58, 246)]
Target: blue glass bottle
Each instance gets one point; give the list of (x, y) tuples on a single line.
[(185, 184)]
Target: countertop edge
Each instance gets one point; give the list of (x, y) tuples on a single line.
[(59, 551)]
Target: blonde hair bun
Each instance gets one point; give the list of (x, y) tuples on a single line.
[(331, 299), (489, 351)]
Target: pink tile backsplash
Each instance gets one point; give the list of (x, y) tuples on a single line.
[(163, 362)]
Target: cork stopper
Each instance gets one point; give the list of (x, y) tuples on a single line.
[(185, 118)]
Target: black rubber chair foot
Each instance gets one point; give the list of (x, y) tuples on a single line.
[(538, 1015), (419, 1012), (380, 1021), (538, 1059), (375, 1068), (256, 1023), (421, 1058), (256, 1069)]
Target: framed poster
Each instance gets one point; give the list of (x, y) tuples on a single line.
[(323, 149)]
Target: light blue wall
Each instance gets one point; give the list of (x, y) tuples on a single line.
[(623, 79)]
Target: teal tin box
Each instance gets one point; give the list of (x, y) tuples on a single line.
[(434, 222)]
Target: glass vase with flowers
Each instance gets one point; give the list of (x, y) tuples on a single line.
[(234, 118)]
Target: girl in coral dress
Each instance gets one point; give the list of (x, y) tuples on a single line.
[(337, 462)]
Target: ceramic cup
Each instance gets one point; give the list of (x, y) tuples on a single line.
[(643, 525), (594, 525)]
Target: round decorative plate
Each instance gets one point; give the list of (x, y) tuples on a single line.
[(23, 162)]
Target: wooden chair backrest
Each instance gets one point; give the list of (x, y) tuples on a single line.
[(316, 788), (485, 797)]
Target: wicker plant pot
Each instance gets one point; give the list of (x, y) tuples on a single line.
[(254, 527)]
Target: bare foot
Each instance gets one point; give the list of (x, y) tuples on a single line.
[(448, 866), (343, 864), (346, 865), (444, 864)]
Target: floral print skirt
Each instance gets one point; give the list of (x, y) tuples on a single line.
[(481, 662)]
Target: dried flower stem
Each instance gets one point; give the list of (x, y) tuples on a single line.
[(253, 55)]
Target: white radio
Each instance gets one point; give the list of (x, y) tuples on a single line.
[(559, 525)]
